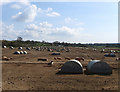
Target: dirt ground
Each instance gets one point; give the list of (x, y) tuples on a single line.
[(25, 72)]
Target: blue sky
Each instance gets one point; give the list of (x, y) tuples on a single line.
[(81, 22)]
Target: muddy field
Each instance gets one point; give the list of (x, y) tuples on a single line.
[(25, 72)]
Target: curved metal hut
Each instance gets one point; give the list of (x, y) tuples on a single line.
[(72, 67), (98, 67)]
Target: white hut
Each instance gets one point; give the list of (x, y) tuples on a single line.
[(25, 52), (38, 49), (94, 49), (72, 67), (98, 67), (17, 52), (21, 52), (4, 46), (11, 47), (28, 48), (20, 48), (33, 47)]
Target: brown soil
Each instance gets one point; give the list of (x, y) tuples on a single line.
[(24, 72)]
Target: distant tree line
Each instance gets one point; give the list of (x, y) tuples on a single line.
[(29, 43), (23, 43)]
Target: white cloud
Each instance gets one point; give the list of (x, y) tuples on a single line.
[(45, 24), (53, 14), (43, 31), (42, 27), (2, 2), (28, 15), (44, 11), (16, 6), (1, 29), (13, 34), (25, 2), (68, 20), (32, 27), (48, 12), (9, 29), (72, 21), (76, 0), (48, 32), (79, 23), (49, 9), (48, 28), (31, 35)]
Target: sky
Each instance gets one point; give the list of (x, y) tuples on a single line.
[(78, 22)]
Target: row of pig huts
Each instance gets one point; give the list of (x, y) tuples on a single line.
[(20, 52), (93, 67), (43, 48), (60, 49)]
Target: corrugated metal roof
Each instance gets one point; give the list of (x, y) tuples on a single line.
[(73, 60), (91, 63), (72, 67)]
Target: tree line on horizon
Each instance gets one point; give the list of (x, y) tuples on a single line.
[(28, 43)]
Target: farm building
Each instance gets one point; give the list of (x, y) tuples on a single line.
[(72, 67), (98, 67)]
